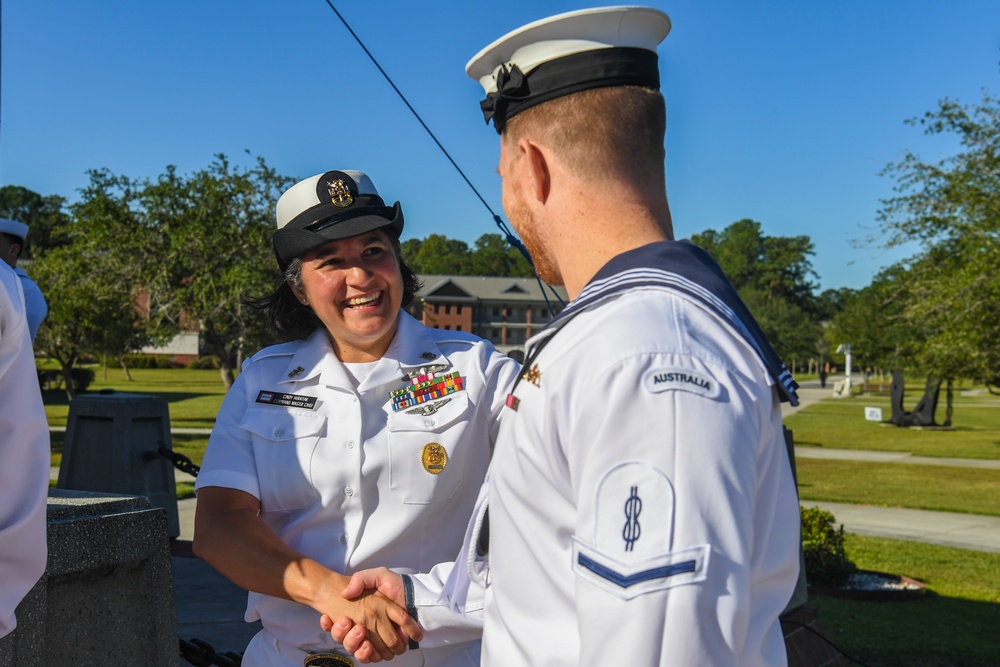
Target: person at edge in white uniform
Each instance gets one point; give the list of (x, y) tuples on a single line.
[(12, 237), (24, 456), (362, 441), (641, 504)]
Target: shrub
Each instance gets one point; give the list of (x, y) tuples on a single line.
[(149, 361), (209, 362), (826, 560), (53, 379), (82, 377)]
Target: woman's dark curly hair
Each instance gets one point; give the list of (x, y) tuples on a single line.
[(292, 320)]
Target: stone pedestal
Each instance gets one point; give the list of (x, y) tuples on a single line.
[(107, 596), (111, 447)]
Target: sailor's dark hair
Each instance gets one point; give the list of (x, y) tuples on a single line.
[(290, 319)]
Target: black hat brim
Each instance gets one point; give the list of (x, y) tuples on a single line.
[(291, 243)]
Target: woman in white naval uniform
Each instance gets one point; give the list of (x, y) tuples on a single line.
[(363, 441)]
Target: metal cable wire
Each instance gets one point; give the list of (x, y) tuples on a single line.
[(510, 238)]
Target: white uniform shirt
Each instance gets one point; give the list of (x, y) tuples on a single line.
[(344, 479), (24, 455), (34, 302), (642, 509)]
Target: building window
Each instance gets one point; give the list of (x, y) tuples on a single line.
[(447, 326), (458, 327), (496, 312)]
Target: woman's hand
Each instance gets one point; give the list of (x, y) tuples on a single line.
[(356, 636), (381, 628), (228, 522)]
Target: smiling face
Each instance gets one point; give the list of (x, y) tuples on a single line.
[(355, 287)]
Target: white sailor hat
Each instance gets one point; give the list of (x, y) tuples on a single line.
[(330, 206), (14, 228), (568, 53)]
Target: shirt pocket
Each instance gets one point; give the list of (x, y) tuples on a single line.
[(425, 457), (284, 442)]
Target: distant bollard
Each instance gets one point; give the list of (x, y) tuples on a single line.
[(111, 446)]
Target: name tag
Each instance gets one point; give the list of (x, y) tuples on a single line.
[(288, 400)]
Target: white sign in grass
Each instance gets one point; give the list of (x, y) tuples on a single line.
[(873, 414)]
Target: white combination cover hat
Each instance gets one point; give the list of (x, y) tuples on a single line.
[(327, 207)]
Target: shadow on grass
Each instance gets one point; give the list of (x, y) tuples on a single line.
[(934, 631), (57, 397)]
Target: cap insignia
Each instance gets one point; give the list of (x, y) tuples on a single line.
[(340, 194), (434, 458)]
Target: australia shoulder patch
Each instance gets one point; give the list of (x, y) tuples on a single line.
[(661, 379)]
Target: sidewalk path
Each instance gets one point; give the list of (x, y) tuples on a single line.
[(950, 529)]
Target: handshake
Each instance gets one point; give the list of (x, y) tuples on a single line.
[(381, 628)]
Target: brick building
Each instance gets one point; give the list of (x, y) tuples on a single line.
[(506, 311)]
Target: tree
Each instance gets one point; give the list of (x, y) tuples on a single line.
[(46, 220), (872, 321), (952, 208), (90, 311), (439, 255), (773, 276), (190, 248), (493, 256), (212, 231)]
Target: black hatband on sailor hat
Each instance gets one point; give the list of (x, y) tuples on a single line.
[(569, 53), (327, 207)]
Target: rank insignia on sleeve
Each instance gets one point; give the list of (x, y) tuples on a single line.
[(434, 458)]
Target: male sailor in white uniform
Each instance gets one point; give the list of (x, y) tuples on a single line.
[(641, 504)]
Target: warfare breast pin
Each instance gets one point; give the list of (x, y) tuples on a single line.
[(533, 376), (434, 457), (340, 194)]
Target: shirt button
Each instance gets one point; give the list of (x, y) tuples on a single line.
[(348, 491), (350, 444), (343, 538), (428, 422), (279, 431)]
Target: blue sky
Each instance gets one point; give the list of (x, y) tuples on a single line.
[(782, 111)]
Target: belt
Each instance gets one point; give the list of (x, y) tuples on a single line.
[(327, 660)]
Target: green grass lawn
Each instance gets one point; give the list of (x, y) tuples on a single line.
[(193, 396), (941, 488), (955, 624), (841, 424)]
